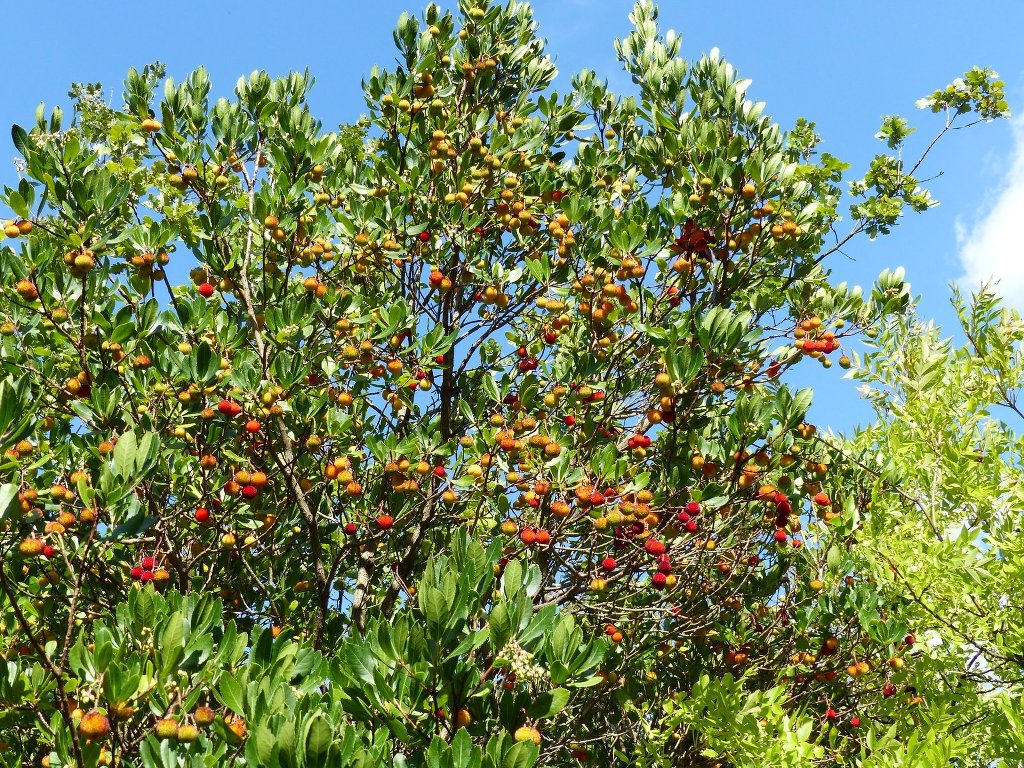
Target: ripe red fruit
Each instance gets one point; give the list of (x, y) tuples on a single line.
[(385, 521), (822, 499), (439, 472), (691, 526), (249, 492), (550, 337), (654, 547), (682, 517), (692, 508), (252, 426), (137, 572), (780, 536), (570, 420), (658, 580), (888, 690), (202, 515), (205, 290), (148, 563), (226, 407), (424, 236), (909, 640), (528, 536), (439, 359), (609, 563), (855, 722), (146, 576), (543, 536), (49, 551), (831, 715), (351, 529)]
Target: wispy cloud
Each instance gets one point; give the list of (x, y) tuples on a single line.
[(991, 247)]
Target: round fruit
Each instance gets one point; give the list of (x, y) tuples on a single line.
[(94, 726), (204, 715), (166, 728), (527, 733)]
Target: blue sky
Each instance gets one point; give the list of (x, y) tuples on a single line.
[(841, 64)]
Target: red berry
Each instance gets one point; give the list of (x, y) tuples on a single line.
[(249, 492), (439, 359), (252, 426), (831, 715), (691, 526), (659, 580), (692, 508), (49, 551), (654, 547), (596, 498), (570, 421), (550, 337), (855, 722), (226, 407), (609, 563), (385, 521), (909, 640), (543, 536), (351, 529), (528, 536), (424, 236), (682, 517), (780, 536), (439, 471), (137, 572), (205, 290), (202, 515), (147, 576), (148, 563), (888, 690)]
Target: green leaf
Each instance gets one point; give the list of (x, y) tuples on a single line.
[(230, 694), (171, 641), (499, 626), (20, 138), (8, 495), (462, 748), (512, 579), (523, 754), (318, 737), (124, 455), (549, 703)]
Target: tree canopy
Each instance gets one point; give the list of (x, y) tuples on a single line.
[(473, 436)]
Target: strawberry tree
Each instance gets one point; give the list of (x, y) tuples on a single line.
[(460, 436)]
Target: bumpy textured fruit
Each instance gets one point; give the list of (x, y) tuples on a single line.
[(94, 726), (527, 733)]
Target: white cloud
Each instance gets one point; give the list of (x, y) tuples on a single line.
[(991, 246)]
